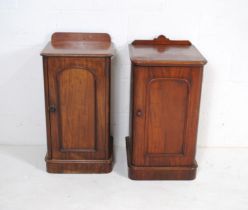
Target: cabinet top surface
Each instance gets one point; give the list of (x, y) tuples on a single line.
[(162, 51), (79, 44)]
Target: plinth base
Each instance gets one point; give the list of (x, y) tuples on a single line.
[(81, 166), (159, 173)]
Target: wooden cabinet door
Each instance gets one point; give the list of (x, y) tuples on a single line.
[(78, 97), (165, 115)]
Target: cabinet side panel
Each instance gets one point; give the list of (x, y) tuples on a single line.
[(46, 92), (107, 79), (76, 94)]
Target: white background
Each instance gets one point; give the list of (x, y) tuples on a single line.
[(218, 28)]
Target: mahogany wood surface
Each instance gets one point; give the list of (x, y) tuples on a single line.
[(59, 38), (78, 44), (159, 173), (165, 101), (162, 51), (161, 40), (77, 92)]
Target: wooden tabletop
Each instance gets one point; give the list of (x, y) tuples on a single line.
[(79, 44), (162, 51)]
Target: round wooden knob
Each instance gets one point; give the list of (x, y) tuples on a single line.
[(139, 113)]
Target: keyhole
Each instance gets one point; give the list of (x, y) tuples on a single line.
[(52, 108)]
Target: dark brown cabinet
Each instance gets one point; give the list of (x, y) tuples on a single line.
[(77, 93), (166, 79)]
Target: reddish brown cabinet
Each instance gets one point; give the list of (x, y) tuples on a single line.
[(166, 78), (77, 93)]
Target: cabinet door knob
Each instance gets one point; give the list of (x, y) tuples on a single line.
[(139, 113), (52, 108)]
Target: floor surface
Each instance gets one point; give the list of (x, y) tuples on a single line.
[(221, 183)]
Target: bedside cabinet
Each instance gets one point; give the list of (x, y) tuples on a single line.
[(77, 98), (166, 79)]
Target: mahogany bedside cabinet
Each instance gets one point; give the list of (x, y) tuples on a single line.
[(166, 79), (77, 98)]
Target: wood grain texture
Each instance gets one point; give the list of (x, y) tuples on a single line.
[(81, 166), (165, 102), (77, 102), (165, 52), (46, 94), (158, 173), (79, 44), (166, 115), (161, 40), (77, 94), (59, 38), (174, 109)]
